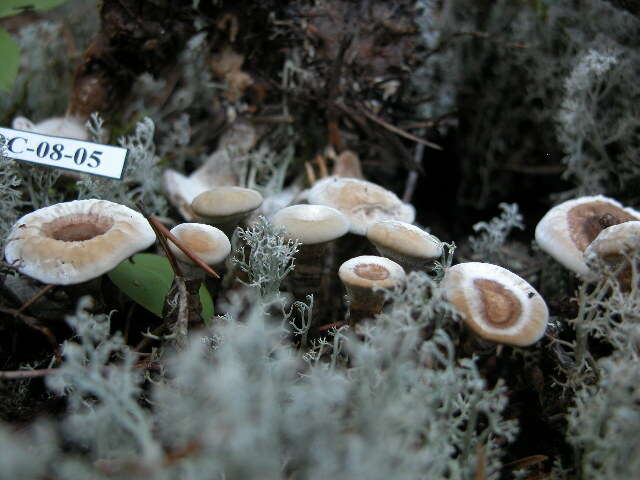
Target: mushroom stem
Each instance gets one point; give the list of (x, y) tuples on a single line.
[(308, 274), (363, 304), (365, 278)]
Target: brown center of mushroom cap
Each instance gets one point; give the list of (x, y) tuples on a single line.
[(587, 220), (77, 228), (371, 271), (501, 306)]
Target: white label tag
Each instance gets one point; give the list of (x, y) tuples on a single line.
[(66, 153)]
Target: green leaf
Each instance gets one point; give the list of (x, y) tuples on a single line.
[(147, 278), (9, 60), (14, 7)]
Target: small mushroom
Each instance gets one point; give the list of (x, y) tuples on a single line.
[(218, 170), (69, 127), (496, 304), (406, 244), (617, 246), (73, 242), (568, 228), (212, 246), (226, 207), (315, 227), (364, 203), (209, 243), (360, 276)]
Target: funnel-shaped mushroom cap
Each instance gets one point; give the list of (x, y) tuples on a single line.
[(225, 204), (568, 228), (76, 241), (311, 224), (368, 271), (497, 304), (208, 242), (364, 203), (69, 127), (403, 242)]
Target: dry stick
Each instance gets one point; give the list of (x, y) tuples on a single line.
[(43, 372), (165, 247), (412, 177), (32, 323), (329, 326), (30, 302), (322, 164), (311, 175), (399, 131), (22, 374)]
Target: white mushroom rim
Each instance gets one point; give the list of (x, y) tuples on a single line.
[(405, 239), (73, 242), (226, 201), (311, 224), (496, 303)]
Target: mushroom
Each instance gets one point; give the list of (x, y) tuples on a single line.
[(69, 127), (217, 170), (617, 246), (73, 242), (209, 243), (212, 246), (360, 276), (568, 228), (496, 304), (315, 227), (226, 207), (406, 244), (364, 203)]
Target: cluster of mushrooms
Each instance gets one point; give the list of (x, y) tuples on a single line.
[(74, 242)]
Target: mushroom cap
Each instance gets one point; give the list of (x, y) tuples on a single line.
[(615, 241), (368, 271), (226, 203), (209, 243), (311, 224), (69, 127), (568, 228), (405, 240), (497, 304), (364, 203), (73, 242)]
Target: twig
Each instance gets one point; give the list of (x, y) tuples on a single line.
[(163, 241), (329, 326), (322, 165), (21, 374), (32, 323), (29, 302), (399, 131), (410, 186), (311, 175), (274, 119)]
